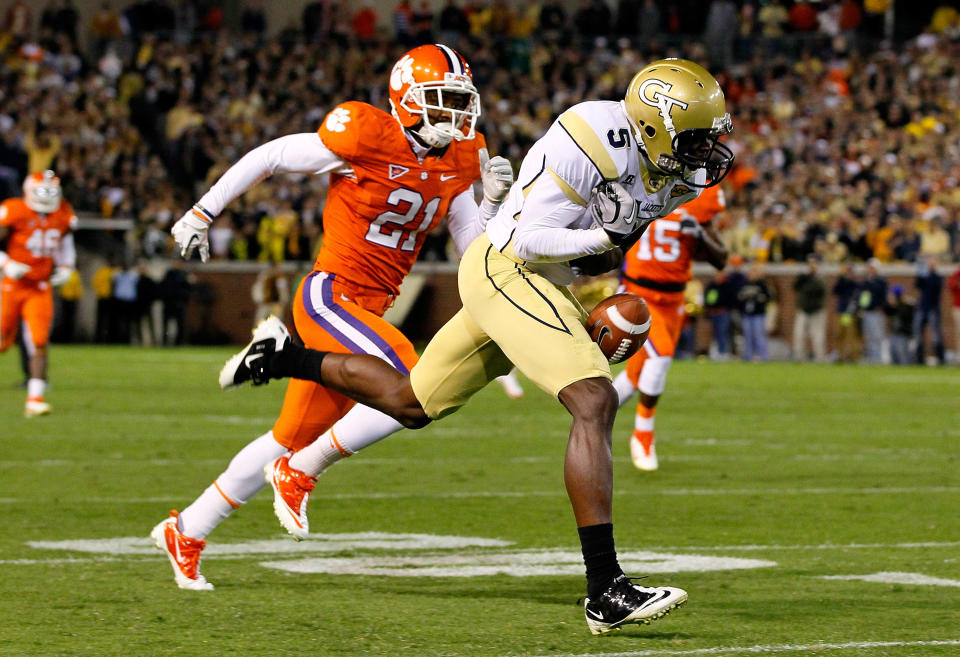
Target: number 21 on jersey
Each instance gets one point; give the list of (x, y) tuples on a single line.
[(388, 228)]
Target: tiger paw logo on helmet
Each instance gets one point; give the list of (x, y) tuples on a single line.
[(337, 119), (402, 72)]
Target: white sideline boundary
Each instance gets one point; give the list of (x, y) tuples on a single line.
[(760, 649)]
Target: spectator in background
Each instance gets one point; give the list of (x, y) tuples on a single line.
[(848, 334), (871, 297), (753, 298), (929, 285), (271, 293), (18, 21), (106, 315), (402, 19), (953, 285), (718, 301), (553, 20), (899, 311), (125, 302), (721, 31), (810, 321), (70, 294), (104, 29), (175, 294), (650, 19), (364, 24), (253, 20), (144, 332), (802, 17), (453, 23), (422, 24)]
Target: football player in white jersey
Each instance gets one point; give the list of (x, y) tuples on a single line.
[(587, 189)]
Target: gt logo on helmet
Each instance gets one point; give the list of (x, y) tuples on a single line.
[(658, 97)]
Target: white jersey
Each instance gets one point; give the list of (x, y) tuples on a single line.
[(545, 220)]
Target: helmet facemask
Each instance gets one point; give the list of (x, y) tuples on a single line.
[(700, 148), (454, 103), (42, 192)]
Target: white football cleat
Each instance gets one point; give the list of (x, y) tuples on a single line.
[(291, 492), (643, 451), (511, 385), (183, 552), (36, 408), (268, 337), (624, 603)]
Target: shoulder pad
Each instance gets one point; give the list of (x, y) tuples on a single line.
[(350, 127)]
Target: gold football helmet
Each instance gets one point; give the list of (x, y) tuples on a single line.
[(678, 114)]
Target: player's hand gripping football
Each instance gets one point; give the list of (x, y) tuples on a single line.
[(190, 233), (496, 174), (616, 211)]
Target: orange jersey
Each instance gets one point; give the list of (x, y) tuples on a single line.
[(35, 238), (375, 220), (665, 255)]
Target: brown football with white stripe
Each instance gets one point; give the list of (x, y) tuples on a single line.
[(619, 325)]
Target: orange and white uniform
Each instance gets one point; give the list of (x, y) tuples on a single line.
[(658, 268), (384, 197), (34, 240)]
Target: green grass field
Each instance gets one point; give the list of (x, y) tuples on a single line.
[(806, 509)]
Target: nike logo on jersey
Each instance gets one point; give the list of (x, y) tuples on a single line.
[(395, 171), (444, 177)]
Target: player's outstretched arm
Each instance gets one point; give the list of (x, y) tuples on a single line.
[(299, 153)]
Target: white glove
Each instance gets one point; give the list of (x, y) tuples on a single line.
[(189, 233), (496, 174), (15, 270), (690, 226), (615, 210), (60, 275)]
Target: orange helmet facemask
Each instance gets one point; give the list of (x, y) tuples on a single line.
[(41, 192), (435, 78)]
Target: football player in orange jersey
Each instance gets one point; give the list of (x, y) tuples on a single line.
[(393, 178), (36, 254), (658, 268)]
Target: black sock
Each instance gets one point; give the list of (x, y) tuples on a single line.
[(296, 362), (599, 556)]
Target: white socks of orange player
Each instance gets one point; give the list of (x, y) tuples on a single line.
[(242, 479), (642, 450), (625, 387), (360, 427), (36, 389)]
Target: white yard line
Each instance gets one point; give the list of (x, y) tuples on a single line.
[(762, 649), (676, 492)]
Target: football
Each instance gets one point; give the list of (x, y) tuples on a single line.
[(619, 325)]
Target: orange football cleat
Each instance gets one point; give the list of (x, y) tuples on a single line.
[(643, 451), (183, 552), (291, 491)]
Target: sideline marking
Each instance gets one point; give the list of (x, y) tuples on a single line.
[(785, 647), (516, 564), (895, 577)]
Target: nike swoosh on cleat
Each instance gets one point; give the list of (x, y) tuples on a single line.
[(660, 596), (598, 616)]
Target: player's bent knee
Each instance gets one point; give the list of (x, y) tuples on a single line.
[(593, 400)]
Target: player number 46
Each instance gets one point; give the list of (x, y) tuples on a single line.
[(388, 229), (43, 243)]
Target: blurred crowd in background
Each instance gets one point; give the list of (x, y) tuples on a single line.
[(848, 145)]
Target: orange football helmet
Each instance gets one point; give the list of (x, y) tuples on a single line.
[(435, 78), (41, 191)]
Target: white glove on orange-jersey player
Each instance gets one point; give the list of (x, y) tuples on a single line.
[(190, 233), (12, 268), (60, 275), (496, 174)]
